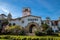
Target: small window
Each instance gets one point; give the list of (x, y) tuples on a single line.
[(32, 19), (14, 24), (36, 19), (22, 21)]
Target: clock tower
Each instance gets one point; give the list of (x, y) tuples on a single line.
[(26, 11)]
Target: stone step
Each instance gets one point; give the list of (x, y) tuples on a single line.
[(31, 34)]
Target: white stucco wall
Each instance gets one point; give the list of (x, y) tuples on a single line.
[(59, 24), (30, 17), (19, 22), (54, 28), (2, 17)]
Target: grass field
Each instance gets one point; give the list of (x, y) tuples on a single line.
[(15, 37)]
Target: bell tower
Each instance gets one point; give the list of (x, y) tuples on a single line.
[(26, 11)]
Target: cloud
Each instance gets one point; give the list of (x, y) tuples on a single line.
[(4, 10)]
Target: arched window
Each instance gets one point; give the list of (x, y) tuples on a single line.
[(14, 24), (22, 21)]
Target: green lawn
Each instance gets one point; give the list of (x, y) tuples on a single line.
[(4, 39), (12, 37)]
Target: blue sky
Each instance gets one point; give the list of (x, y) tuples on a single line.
[(42, 8)]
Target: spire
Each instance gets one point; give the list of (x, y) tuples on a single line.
[(9, 16)]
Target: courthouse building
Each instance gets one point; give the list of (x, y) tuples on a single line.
[(31, 22)]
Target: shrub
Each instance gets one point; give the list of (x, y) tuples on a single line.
[(29, 39), (22, 32), (37, 33), (44, 27), (35, 39), (24, 39), (6, 37), (50, 32), (13, 30), (0, 37)]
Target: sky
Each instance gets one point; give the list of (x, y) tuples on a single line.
[(42, 8)]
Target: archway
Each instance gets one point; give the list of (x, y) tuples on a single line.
[(32, 27)]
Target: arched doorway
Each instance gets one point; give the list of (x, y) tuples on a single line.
[(32, 28)]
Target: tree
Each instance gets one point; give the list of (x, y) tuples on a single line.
[(13, 29), (38, 33), (49, 31), (5, 22), (22, 32), (44, 27)]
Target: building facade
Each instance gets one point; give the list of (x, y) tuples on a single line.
[(32, 23)]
